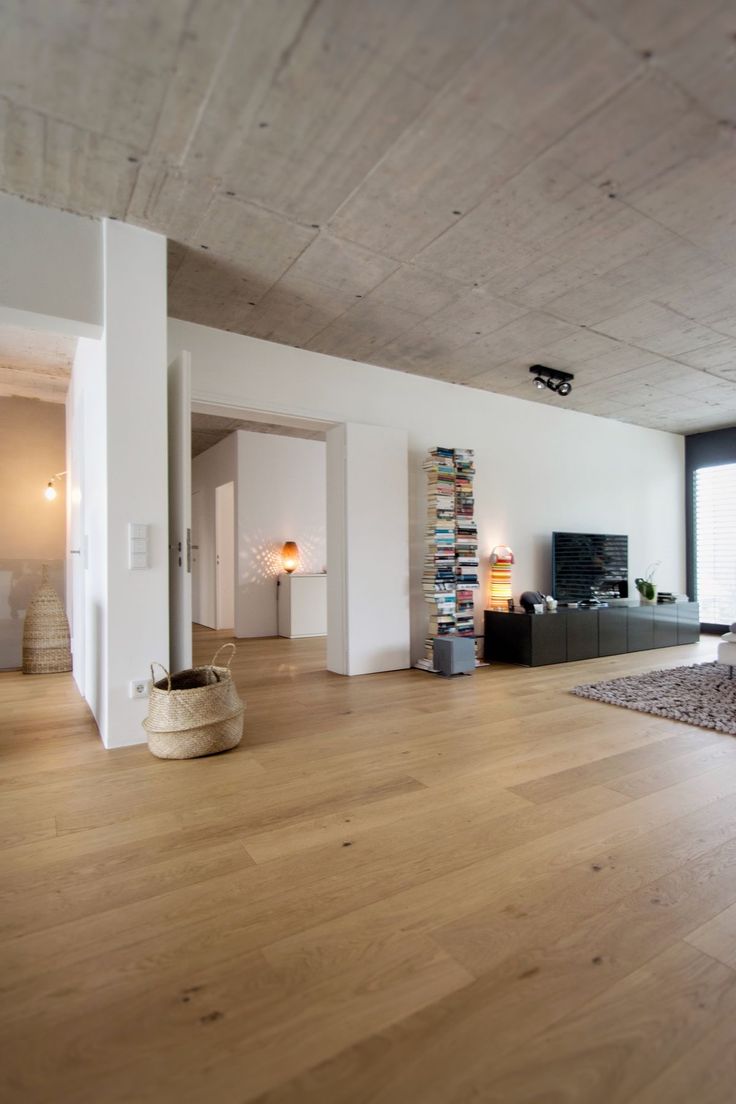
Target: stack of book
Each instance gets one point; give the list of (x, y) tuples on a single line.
[(466, 542), (451, 564), (438, 580)]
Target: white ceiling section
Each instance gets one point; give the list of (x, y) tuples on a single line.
[(455, 188), (35, 364), (209, 429)]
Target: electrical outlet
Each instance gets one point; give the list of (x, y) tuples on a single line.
[(139, 688)]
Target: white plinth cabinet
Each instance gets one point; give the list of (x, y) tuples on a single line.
[(302, 605)]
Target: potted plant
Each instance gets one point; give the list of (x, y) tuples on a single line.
[(647, 587)]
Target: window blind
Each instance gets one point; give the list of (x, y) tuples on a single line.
[(714, 501)]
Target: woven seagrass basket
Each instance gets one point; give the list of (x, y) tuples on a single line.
[(194, 712), (46, 647)]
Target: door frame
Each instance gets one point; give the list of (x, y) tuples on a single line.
[(225, 547), (180, 510)]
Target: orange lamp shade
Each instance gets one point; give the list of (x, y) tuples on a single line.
[(290, 557), (501, 560)]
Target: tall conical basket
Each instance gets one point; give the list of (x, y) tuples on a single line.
[(46, 645), (194, 712)]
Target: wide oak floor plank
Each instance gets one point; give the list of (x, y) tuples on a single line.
[(397, 889)]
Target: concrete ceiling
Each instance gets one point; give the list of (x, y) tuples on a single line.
[(35, 365), (453, 188), (208, 429)]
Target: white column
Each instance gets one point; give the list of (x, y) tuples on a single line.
[(368, 549), (137, 601)]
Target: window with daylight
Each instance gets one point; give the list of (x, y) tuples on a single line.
[(714, 510)]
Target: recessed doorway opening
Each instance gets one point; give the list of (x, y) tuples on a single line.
[(256, 486)]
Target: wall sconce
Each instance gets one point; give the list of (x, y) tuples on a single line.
[(501, 560), (290, 557), (50, 492)]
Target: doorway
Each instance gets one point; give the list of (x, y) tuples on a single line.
[(36, 512), (225, 556), (364, 490), (198, 524)]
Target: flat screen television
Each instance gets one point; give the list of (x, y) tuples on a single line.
[(589, 565)]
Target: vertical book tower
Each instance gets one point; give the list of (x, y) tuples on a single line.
[(451, 563)]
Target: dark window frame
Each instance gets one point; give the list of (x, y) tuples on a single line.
[(703, 450)]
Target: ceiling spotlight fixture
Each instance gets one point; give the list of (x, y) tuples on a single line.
[(553, 378)]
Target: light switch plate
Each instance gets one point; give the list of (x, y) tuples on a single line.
[(137, 546)]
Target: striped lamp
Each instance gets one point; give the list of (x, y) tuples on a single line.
[(501, 560)]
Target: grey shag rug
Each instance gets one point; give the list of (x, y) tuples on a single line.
[(699, 695)]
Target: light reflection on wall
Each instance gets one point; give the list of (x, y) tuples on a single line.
[(260, 555)]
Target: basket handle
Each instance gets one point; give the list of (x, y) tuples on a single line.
[(221, 648), (167, 673)]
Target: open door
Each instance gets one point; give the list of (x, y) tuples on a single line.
[(180, 511)]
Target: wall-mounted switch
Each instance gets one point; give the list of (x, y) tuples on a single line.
[(137, 546)]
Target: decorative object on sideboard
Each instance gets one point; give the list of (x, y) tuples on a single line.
[(501, 559), (531, 600), (194, 712), (50, 492), (647, 587), (290, 557), (552, 379), (46, 642), (550, 603)]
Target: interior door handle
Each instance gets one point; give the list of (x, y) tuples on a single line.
[(75, 551)]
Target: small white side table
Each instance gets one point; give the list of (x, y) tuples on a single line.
[(302, 601)]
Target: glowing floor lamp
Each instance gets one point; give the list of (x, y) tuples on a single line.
[(501, 560)]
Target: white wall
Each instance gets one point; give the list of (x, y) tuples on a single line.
[(211, 469), (51, 271), (540, 468), (117, 407), (105, 282), (280, 495)]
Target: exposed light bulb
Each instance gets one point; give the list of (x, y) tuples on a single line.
[(50, 492)]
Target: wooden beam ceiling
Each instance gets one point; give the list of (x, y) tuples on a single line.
[(452, 188)]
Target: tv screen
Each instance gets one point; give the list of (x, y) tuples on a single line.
[(589, 565)]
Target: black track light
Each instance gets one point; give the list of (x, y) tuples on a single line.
[(553, 378)]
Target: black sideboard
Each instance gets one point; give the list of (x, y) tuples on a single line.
[(535, 639)]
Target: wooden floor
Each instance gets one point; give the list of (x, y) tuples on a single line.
[(399, 889)]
